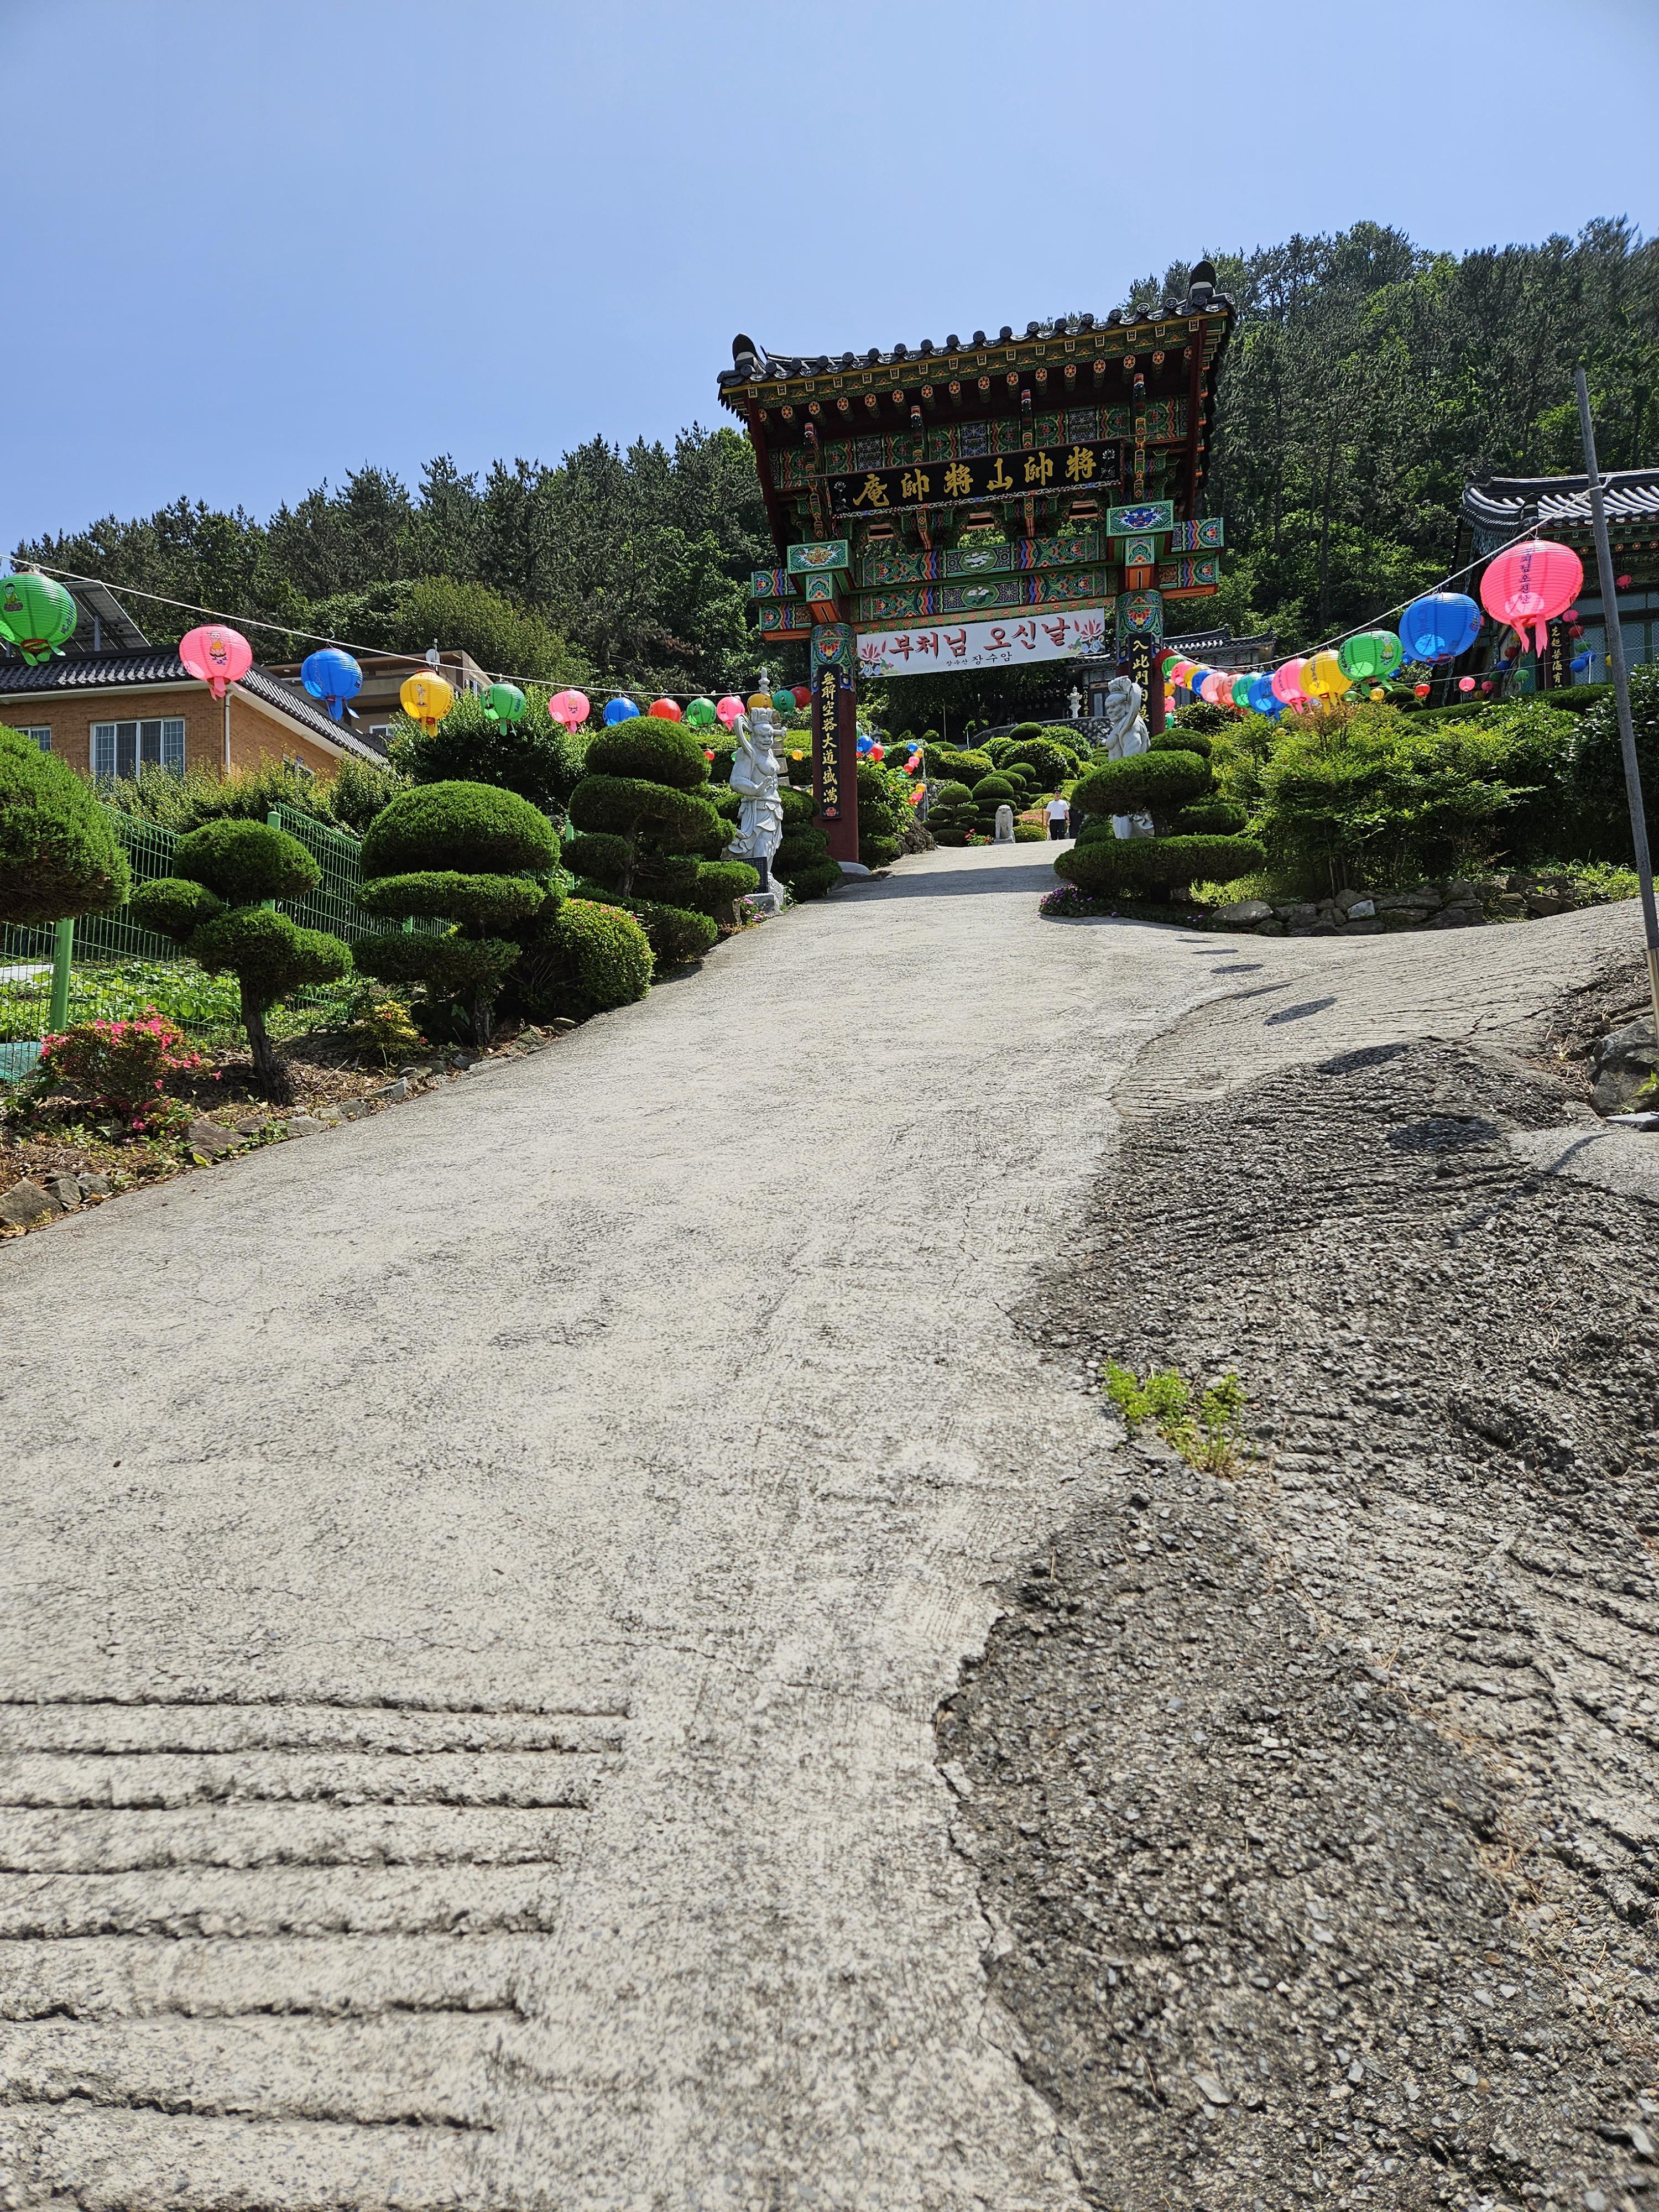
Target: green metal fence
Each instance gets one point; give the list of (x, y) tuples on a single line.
[(106, 967)]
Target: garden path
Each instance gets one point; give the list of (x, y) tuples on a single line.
[(481, 1582)]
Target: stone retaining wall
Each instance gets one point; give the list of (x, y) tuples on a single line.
[(1457, 903)]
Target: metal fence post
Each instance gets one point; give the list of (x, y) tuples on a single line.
[(273, 821), (63, 956)]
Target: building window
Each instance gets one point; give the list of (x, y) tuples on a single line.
[(123, 748), (41, 735)]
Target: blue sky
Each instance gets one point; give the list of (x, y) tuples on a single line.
[(264, 243)]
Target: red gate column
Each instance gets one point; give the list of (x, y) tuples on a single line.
[(834, 739)]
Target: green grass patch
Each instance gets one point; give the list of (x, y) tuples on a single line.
[(1204, 1425)]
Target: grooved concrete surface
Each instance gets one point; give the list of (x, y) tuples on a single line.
[(480, 1583)]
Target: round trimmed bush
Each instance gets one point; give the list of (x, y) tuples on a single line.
[(245, 861), (597, 854), (651, 750), (59, 854), (584, 958), (472, 829), (1149, 782), (959, 767), (479, 901), (268, 952), (1049, 763), (172, 906), (625, 806), (1218, 816), (720, 883), (1179, 738), (676, 934)]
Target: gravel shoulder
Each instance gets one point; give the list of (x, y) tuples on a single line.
[(1313, 1806)]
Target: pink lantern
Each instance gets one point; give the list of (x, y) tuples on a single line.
[(1530, 584), (730, 711), (1213, 688), (1621, 583), (665, 710), (217, 656), (1287, 683), (1466, 682), (569, 708)]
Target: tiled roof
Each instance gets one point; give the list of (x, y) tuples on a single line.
[(1503, 503), (119, 671), (752, 362)]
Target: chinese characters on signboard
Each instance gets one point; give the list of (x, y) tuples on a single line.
[(1007, 644), (1000, 475)]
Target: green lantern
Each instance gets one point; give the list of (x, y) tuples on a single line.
[(1241, 690), (504, 702), (1372, 657), (784, 702), (37, 613), (700, 712)]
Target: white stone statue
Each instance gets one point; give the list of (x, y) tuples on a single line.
[(1004, 832), (1127, 735), (756, 774)]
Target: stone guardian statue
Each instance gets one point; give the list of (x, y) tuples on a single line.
[(756, 775), (1125, 736)]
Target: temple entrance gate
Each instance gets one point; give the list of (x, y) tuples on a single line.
[(989, 504)]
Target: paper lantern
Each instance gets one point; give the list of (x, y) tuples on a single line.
[(1485, 687), (215, 656), (878, 752), (785, 701), (1374, 652), (333, 677), (504, 702), (802, 695), (1240, 690), (1439, 626), (1262, 701), (1421, 690), (426, 699), (1621, 583), (699, 713), (759, 700), (621, 710), (729, 713), (1287, 682), (1330, 678), (1529, 585), (1216, 688), (1579, 662), (569, 708), (1466, 682), (1377, 692), (665, 710), (37, 613)]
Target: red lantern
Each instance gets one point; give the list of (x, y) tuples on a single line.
[(1485, 687), (665, 710), (1570, 615), (878, 752), (708, 752), (1421, 690), (803, 696), (1621, 583), (1528, 585)]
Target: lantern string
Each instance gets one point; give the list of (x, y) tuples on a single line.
[(418, 661)]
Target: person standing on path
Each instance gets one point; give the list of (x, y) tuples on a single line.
[(1060, 817)]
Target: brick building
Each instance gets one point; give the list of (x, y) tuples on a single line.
[(115, 703)]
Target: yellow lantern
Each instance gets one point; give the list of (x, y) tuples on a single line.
[(759, 699), (426, 699), (1325, 676)]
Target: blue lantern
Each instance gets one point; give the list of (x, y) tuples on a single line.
[(1439, 626), (1579, 663), (621, 710), (333, 677), (1261, 699)]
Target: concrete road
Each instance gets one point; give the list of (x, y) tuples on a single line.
[(480, 1581)]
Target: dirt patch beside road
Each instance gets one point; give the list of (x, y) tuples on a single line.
[(1314, 1809)]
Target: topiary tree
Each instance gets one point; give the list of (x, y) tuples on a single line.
[(651, 836), (1196, 832), (883, 813), (959, 767), (478, 857), (213, 905), (59, 855), (951, 813)]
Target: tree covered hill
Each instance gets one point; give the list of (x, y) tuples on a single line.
[(1368, 380)]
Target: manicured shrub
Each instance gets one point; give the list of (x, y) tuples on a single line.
[(59, 855), (1179, 738), (1217, 817), (652, 833), (582, 957), (347, 799), (885, 813), (802, 860), (214, 907), (951, 813), (1105, 866), (958, 767), (1155, 783), (1199, 718), (478, 856)]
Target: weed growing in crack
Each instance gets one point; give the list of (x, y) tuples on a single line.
[(1207, 1433)]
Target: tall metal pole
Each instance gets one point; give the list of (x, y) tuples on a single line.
[(1639, 823)]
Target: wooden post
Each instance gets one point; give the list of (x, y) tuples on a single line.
[(834, 757), (1638, 825)]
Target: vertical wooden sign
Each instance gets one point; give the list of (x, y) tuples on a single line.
[(1554, 662)]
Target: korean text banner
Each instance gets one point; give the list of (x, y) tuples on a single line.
[(931, 647), (1001, 475)]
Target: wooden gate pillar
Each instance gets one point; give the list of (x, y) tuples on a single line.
[(834, 739)]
